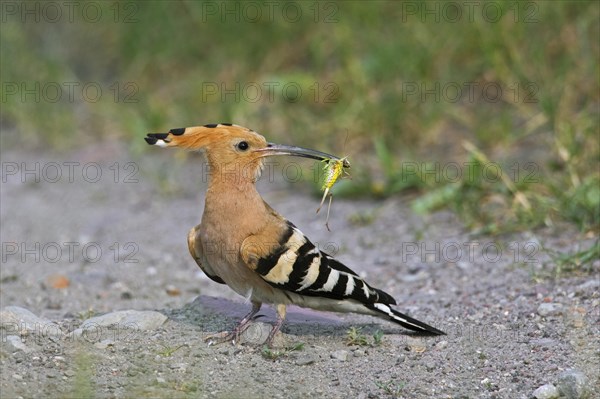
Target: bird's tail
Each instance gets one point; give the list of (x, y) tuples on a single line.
[(386, 312)]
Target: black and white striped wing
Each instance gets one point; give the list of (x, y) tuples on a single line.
[(296, 265)]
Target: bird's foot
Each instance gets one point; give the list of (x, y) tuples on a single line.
[(227, 336), (234, 335), (219, 338)]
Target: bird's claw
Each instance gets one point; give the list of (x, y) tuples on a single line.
[(219, 338)]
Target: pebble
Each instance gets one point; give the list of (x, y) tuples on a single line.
[(104, 344), (14, 344), (589, 285), (359, 353), (172, 290), (549, 309), (340, 355), (58, 281), (430, 366), (306, 360), (415, 345), (547, 391), (573, 384), (22, 319), (576, 317), (134, 319), (464, 265), (411, 278), (543, 342), (17, 377), (258, 332), (441, 345), (69, 373), (176, 366)]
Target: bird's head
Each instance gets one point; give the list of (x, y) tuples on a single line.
[(231, 148)]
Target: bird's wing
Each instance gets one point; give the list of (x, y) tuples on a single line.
[(195, 248), (286, 259)]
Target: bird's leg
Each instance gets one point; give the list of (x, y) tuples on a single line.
[(234, 335), (281, 311), (245, 322)]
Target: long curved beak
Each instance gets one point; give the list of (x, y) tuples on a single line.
[(278, 149)]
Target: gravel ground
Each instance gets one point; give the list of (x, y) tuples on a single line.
[(75, 249)]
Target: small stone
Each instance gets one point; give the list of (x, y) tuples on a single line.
[(104, 344), (69, 373), (340, 355), (306, 360), (16, 319), (464, 265), (15, 344), (178, 366), (17, 377), (543, 342), (573, 384), (359, 353), (547, 391), (225, 351), (124, 319), (57, 281), (415, 345), (549, 309), (411, 278), (576, 317), (258, 332), (172, 290), (441, 345), (589, 285), (430, 366), (161, 380)]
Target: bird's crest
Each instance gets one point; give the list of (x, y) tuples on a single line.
[(196, 137)]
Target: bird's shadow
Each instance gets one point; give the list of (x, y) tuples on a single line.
[(213, 315)]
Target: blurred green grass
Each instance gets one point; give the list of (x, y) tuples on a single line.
[(158, 63)]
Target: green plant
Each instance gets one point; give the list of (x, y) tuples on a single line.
[(579, 261), (83, 382), (271, 354), (391, 387), (168, 351), (377, 338), (354, 336)]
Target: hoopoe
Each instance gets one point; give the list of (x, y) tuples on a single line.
[(244, 243)]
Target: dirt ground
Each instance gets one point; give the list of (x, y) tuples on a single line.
[(82, 245)]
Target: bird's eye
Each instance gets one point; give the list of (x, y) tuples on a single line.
[(242, 145)]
